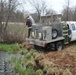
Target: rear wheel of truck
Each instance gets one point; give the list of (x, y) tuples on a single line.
[(59, 45)]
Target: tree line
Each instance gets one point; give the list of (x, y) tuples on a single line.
[(69, 12), (41, 7), (10, 13)]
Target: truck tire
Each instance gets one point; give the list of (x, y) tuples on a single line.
[(54, 33), (59, 45)]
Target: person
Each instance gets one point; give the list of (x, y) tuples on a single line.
[(29, 23)]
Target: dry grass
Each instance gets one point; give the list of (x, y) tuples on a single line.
[(15, 33), (65, 59)]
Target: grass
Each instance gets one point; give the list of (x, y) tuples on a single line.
[(20, 68), (28, 66), (9, 48), (25, 66)]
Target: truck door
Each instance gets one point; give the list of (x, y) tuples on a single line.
[(73, 31)]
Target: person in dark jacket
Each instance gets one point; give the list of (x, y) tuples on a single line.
[(29, 24)]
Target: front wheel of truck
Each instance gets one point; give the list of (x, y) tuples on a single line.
[(59, 45)]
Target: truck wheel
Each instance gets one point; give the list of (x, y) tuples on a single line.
[(54, 34), (59, 45)]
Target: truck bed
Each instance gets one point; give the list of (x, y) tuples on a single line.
[(43, 42)]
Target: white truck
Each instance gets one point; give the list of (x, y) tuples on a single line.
[(54, 36)]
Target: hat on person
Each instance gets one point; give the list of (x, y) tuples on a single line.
[(26, 15)]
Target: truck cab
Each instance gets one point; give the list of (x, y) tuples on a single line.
[(72, 28)]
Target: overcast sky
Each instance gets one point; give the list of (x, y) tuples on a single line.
[(56, 5)]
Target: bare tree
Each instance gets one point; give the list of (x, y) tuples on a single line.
[(2, 6), (1, 11), (74, 14), (39, 6), (67, 7), (11, 6), (6, 9), (66, 10)]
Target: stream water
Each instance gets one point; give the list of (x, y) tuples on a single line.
[(5, 67)]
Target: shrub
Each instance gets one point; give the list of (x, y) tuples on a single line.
[(28, 55), (13, 37), (45, 69), (39, 72), (67, 72), (30, 71), (59, 72), (50, 71), (41, 64), (30, 63), (15, 33)]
